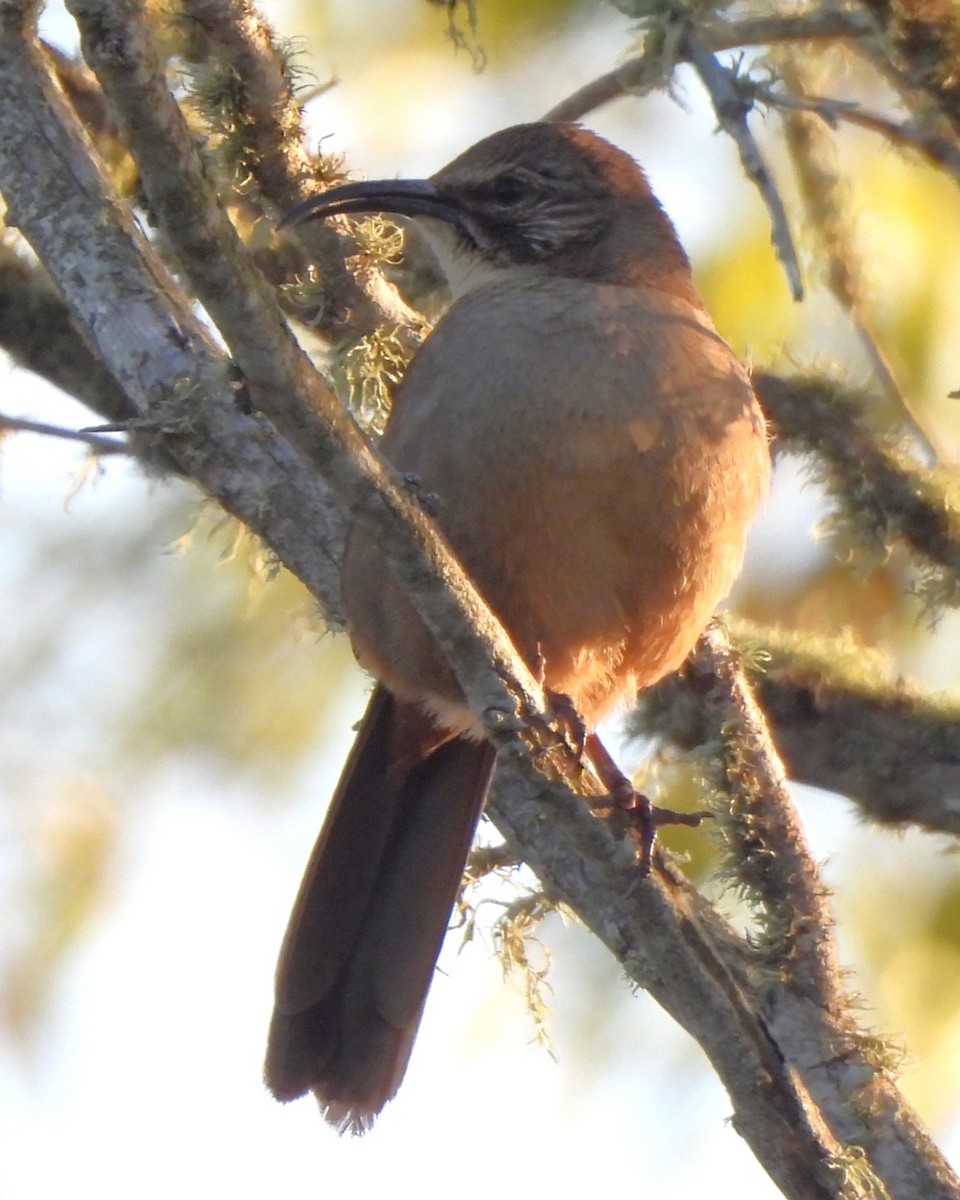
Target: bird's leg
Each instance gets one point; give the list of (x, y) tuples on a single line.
[(646, 817)]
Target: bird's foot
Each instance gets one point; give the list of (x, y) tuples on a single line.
[(645, 818)]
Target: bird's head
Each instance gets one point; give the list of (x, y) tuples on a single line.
[(546, 196)]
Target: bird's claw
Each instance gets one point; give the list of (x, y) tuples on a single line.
[(645, 818)]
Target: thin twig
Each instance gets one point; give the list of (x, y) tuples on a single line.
[(636, 72), (102, 445), (942, 149), (731, 109), (830, 24)]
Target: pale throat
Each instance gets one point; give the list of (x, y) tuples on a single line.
[(464, 269)]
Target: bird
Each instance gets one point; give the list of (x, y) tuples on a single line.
[(594, 455)]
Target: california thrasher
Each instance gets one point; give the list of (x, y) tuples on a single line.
[(598, 455)]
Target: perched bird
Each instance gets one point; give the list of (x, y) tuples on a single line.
[(597, 456)]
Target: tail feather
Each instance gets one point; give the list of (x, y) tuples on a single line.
[(360, 951)]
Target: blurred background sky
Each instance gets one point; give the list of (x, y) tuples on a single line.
[(171, 726)]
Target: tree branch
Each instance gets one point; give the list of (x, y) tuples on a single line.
[(925, 39), (842, 719), (881, 492), (281, 378), (136, 320), (671, 943), (185, 396), (36, 330), (242, 83), (254, 90), (768, 855), (772, 1018)]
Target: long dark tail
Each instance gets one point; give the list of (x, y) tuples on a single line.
[(360, 950)]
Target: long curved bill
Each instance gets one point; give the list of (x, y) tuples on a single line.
[(404, 197)]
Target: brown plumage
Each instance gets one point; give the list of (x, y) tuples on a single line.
[(598, 455)]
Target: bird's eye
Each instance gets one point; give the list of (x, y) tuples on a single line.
[(507, 190)]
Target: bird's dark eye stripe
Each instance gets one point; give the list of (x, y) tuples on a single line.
[(505, 189)]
